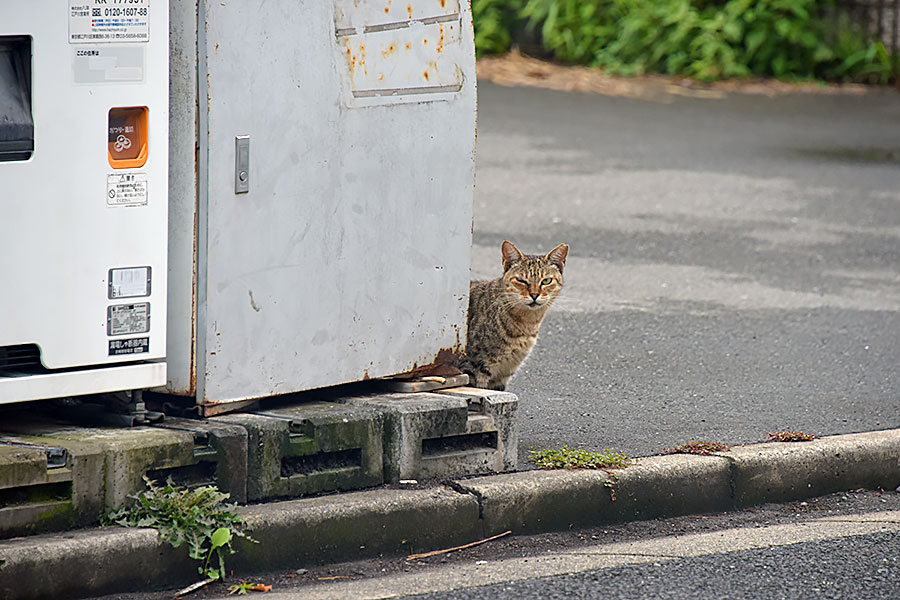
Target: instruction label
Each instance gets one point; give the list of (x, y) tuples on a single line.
[(127, 319), (127, 189), (105, 21), (129, 346), (130, 282)]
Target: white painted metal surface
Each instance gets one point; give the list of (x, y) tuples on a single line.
[(61, 231), (81, 382), (349, 256)]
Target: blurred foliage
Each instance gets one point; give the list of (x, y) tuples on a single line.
[(703, 39)]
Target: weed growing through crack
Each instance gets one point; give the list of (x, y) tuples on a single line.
[(566, 458), (790, 436), (698, 447), (199, 517)]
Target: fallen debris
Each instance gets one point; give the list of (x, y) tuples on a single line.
[(455, 548), (790, 436), (194, 587), (699, 447)]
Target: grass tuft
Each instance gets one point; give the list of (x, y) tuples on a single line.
[(567, 458)]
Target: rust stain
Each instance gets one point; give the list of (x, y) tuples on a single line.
[(408, 46), (425, 75), (409, 10), (440, 44), (389, 50), (443, 3), (443, 365), (387, 8)]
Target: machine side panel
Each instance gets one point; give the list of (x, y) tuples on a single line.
[(348, 257)]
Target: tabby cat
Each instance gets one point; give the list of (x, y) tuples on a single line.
[(505, 314)]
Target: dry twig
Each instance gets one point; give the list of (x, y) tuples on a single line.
[(455, 548)]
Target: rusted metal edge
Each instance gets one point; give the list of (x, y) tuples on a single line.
[(211, 409)]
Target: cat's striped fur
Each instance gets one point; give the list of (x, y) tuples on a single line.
[(505, 314)]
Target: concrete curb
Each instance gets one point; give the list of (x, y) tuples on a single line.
[(395, 522)]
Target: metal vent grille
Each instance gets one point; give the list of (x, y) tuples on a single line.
[(26, 357)]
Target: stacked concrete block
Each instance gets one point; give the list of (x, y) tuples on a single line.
[(310, 448), (47, 488), (453, 433), (220, 457), (57, 475)]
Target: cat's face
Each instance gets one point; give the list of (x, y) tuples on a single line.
[(532, 282)]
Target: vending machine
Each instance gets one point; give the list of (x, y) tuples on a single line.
[(84, 118)]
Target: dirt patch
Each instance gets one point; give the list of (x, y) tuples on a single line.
[(516, 69)]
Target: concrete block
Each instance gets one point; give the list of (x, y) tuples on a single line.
[(310, 448), (786, 471), (105, 465), (220, 457), (495, 411), (127, 453), (47, 485), (458, 432)]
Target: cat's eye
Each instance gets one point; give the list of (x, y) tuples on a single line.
[(547, 281), (522, 281)]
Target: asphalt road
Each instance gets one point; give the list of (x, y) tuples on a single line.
[(844, 545), (734, 264), (855, 567)]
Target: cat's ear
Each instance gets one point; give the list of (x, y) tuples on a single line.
[(511, 254), (557, 256)]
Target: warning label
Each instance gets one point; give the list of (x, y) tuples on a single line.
[(99, 21), (128, 189), (129, 346), (125, 319)]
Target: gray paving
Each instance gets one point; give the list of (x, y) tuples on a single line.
[(855, 567), (734, 265)]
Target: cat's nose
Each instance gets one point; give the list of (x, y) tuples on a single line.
[(534, 296)]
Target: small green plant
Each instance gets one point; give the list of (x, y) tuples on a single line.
[(698, 447), (790, 436), (246, 586), (566, 458), (199, 517)]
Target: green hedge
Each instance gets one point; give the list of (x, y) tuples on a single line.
[(703, 39)]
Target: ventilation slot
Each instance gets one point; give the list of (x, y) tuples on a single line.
[(190, 476), (26, 357), (35, 494), (323, 461), (459, 443)]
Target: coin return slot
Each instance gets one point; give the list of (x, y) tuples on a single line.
[(127, 137)]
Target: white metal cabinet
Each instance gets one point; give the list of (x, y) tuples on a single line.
[(348, 258), (72, 211)]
